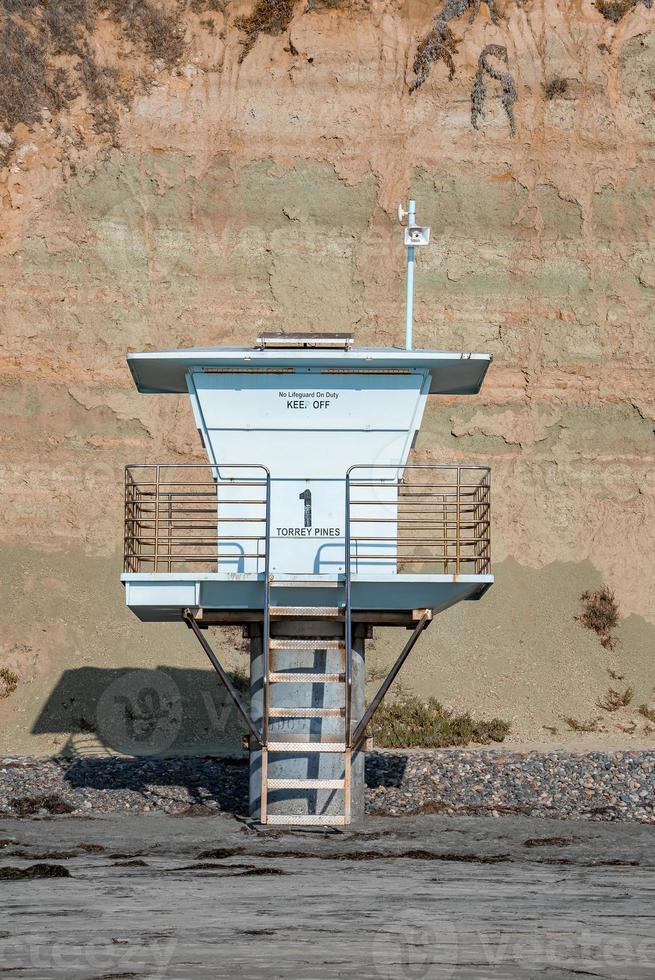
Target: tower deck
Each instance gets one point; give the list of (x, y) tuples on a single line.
[(198, 537), (234, 598)]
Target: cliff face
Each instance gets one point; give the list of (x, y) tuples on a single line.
[(209, 191)]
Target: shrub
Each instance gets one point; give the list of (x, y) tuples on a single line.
[(35, 33), (23, 75), (479, 91), (614, 700), (440, 44), (159, 33), (581, 726), (8, 682), (100, 85), (554, 88), (600, 614), (615, 10), (409, 722), (267, 17)]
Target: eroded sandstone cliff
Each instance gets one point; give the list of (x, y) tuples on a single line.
[(194, 172)]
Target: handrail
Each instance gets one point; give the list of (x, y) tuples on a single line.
[(173, 515), (266, 626), (349, 625), (445, 525)]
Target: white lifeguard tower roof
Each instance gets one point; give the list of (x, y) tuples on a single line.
[(452, 372)]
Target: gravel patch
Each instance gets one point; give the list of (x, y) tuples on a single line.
[(592, 786)]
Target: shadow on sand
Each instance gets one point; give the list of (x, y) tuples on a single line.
[(135, 729)]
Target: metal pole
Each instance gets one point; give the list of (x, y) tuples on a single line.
[(266, 630), (409, 314), (229, 686), (156, 555), (349, 628)]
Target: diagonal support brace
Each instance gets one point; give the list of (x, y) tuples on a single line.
[(189, 619), (360, 732)]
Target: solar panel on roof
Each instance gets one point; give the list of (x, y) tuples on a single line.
[(285, 341)]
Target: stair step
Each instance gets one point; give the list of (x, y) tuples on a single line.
[(305, 583), (294, 644), (308, 820), (301, 747), (306, 677), (306, 712), (306, 783), (306, 612)]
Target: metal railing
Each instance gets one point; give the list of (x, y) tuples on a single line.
[(432, 519), (196, 517)]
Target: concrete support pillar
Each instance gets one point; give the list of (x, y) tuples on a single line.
[(307, 765)]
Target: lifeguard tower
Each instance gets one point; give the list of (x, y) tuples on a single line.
[(308, 526)]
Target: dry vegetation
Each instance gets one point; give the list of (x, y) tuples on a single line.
[(8, 682), (49, 58), (555, 88), (409, 722), (267, 17), (647, 712), (576, 725), (439, 43), (613, 700), (615, 10), (479, 91), (601, 614)]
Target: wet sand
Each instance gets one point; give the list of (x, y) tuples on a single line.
[(420, 897)]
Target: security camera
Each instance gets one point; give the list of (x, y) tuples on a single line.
[(416, 235)]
